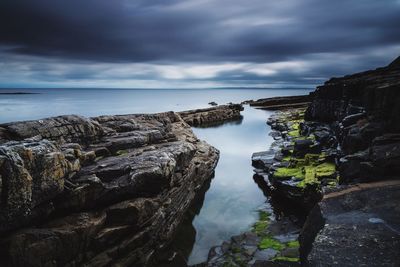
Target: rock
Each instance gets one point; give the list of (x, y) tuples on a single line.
[(353, 167), (306, 146), (212, 103), (101, 191), (277, 103), (263, 160), (355, 226), (374, 93), (67, 239), (33, 173), (303, 145), (265, 254), (352, 119), (212, 116), (385, 155), (63, 129)]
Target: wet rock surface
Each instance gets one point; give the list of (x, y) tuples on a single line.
[(213, 116), (272, 241), (101, 191), (356, 225), (298, 165)]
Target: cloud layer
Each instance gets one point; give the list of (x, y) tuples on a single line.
[(192, 43)]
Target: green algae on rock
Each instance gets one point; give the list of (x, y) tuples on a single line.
[(269, 242), (301, 166)]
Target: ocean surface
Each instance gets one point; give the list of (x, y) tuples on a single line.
[(230, 204), (94, 102)]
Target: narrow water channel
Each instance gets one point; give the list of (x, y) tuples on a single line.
[(232, 199)]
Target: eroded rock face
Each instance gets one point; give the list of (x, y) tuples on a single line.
[(101, 191)]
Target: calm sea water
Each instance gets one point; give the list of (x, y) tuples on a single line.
[(230, 204), (94, 102)]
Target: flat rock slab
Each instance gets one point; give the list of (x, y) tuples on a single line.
[(357, 226), (213, 116)]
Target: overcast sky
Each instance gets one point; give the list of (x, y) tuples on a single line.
[(193, 43)]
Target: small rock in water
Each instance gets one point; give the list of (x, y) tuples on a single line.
[(212, 103)]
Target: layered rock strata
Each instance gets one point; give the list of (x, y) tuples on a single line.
[(363, 110), (281, 102), (101, 191), (212, 116)]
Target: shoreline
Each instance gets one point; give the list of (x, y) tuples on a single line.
[(72, 179)]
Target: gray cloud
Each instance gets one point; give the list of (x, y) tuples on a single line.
[(327, 37)]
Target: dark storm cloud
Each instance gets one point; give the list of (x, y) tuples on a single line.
[(103, 40), (137, 31)]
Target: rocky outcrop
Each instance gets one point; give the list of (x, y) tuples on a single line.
[(101, 191), (212, 116), (349, 134), (281, 102), (354, 226), (364, 103), (363, 111)]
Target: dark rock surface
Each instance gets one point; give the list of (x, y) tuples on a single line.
[(360, 99), (354, 226), (282, 102), (101, 191), (363, 109), (212, 116)]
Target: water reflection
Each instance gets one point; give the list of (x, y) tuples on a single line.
[(230, 205)]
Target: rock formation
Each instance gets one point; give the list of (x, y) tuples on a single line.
[(212, 116), (349, 134), (363, 113), (280, 102), (101, 191)]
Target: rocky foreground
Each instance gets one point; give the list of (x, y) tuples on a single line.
[(109, 190)]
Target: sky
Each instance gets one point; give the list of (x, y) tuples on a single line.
[(193, 43)]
